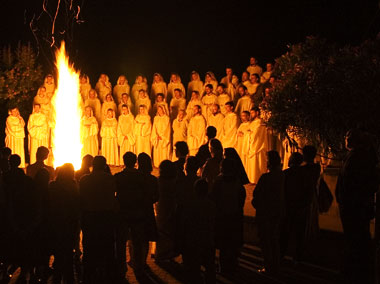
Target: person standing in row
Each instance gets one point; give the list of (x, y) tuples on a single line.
[(108, 133), (195, 84), (15, 133), (125, 131), (143, 130), (120, 88), (89, 133), (196, 131), (38, 132), (160, 137)]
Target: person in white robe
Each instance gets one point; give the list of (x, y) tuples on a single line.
[(253, 84), (38, 132), (216, 119), (231, 82), (223, 97), (44, 101), (158, 87), (103, 87), (266, 75), (160, 137), (89, 133), (121, 88), (228, 136), (84, 87), (108, 104), (108, 133), (177, 103), (126, 100), (253, 67), (160, 101), (95, 105), (195, 84), (242, 144), (244, 78), (49, 85), (245, 102), (141, 83), (208, 100), (143, 130), (143, 99), (15, 134), (125, 132), (196, 131), (257, 151), (195, 101), (175, 83), (180, 125), (209, 79)]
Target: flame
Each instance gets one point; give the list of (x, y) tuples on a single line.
[(67, 113)]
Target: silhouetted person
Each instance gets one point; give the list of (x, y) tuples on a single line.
[(41, 155), (268, 200), (85, 168), (98, 206), (4, 159), (41, 180), (204, 152), (211, 168), (231, 153), (64, 221), (197, 228), (166, 212), (145, 167), (133, 198), (229, 196), (357, 183), (181, 152), (297, 203), (23, 220)]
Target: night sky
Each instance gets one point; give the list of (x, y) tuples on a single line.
[(131, 37)]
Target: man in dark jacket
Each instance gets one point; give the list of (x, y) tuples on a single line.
[(135, 206), (356, 186)]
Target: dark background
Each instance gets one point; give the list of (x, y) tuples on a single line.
[(130, 37)]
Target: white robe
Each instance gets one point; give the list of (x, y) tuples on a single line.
[(135, 91), (222, 100), (103, 90), (257, 152), (108, 133), (118, 90), (243, 104), (229, 131), (161, 147), (125, 134), (208, 101), (242, 145), (158, 88), (96, 106), (162, 104), (217, 121), (180, 130), (143, 101), (143, 130), (106, 106), (38, 134), (176, 105), (196, 133), (89, 136), (14, 137)]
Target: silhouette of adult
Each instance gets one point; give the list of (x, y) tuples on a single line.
[(181, 152), (229, 196), (64, 212), (135, 204), (211, 168), (197, 228), (297, 204), (5, 153), (98, 207), (41, 155), (23, 217), (85, 168), (145, 167), (268, 200), (357, 183), (203, 153), (166, 212)]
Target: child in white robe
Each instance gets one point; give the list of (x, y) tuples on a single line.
[(84, 87), (160, 101), (120, 88), (195, 84), (177, 103), (196, 131), (141, 83), (126, 100), (125, 131), (179, 126), (95, 105), (108, 133), (158, 86), (103, 87), (160, 137), (143, 130), (175, 83), (195, 100), (89, 133), (143, 100), (108, 104)]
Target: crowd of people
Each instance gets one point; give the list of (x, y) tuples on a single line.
[(121, 119)]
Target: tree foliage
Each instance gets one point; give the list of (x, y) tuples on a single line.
[(20, 77), (324, 90)]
